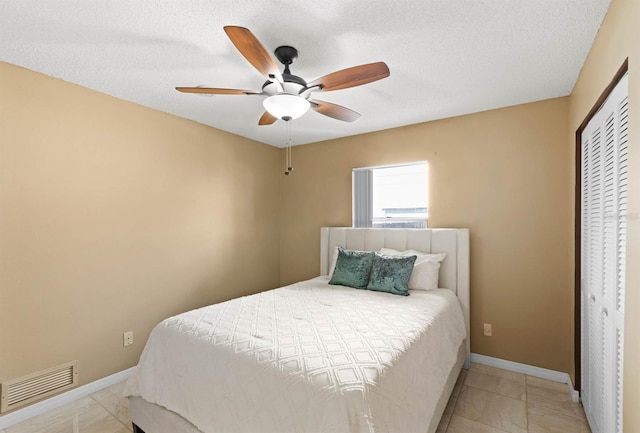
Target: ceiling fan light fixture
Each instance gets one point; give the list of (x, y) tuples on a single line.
[(285, 105)]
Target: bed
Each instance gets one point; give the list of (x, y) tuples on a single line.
[(313, 357)]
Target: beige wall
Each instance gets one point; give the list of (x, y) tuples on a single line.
[(504, 175), (114, 216), (618, 39)]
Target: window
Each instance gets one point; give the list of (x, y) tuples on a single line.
[(391, 196)]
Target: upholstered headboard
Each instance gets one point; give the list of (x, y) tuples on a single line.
[(454, 270)]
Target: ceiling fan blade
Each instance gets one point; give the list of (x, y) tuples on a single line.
[(252, 50), (216, 91), (351, 77), (267, 119), (336, 111)]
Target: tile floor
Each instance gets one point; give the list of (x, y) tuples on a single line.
[(485, 400), (491, 400), (105, 411)]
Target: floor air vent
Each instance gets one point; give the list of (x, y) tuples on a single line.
[(27, 389)]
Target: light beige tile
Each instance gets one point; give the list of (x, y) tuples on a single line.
[(496, 380), (463, 425), (554, 395), (81, 416), (546, 420), (112, 400), (492, 409), (55, 415)]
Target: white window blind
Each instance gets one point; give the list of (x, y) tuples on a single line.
[(362, 198)]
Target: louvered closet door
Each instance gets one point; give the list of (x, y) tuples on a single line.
[(604, 207)]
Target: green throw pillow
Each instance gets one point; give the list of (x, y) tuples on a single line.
[(391, 274), (352, 268)]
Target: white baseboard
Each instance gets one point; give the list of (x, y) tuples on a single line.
[(530, 370), (20, 415)]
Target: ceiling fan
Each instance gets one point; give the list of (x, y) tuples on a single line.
[(287, 95)]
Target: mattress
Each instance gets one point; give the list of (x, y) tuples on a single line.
[(306, 357)]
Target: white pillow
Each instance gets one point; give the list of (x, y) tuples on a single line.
[(334, 259), (426, 269)]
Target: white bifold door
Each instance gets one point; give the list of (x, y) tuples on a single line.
[(603, 246)]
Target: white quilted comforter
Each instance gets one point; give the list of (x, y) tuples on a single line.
[(309, 357)]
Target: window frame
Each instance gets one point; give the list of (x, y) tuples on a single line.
[(362, 199)]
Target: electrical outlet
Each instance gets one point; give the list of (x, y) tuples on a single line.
[(487, 329), (127, 338)]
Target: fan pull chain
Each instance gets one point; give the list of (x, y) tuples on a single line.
[(287, 157)]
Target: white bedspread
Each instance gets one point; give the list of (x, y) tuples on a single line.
[(309, 357)]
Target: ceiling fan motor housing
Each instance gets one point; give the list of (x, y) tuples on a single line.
[(290, 87), (292, 84)]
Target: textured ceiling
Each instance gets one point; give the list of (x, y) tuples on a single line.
[(447, 57)]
